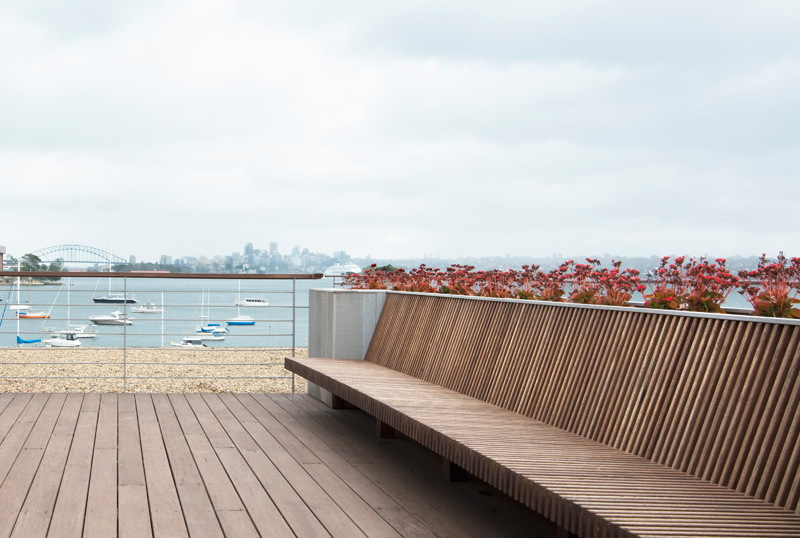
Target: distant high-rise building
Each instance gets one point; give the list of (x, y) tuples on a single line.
[(132, 259), (248, 253), (273, 247), (165, 260)]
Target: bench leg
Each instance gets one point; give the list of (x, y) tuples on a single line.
[(383, 430), (339, 403), (453, 472)]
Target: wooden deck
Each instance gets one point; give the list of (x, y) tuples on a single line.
[(234, 465)]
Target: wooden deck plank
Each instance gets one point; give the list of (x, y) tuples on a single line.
[(101, 505), (162, 495), (5, 400), (19, 480), (15, 487), (11, 412), (36, 512), (134, 510), (68, 514), (18, 432)]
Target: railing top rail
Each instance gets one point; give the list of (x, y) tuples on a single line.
[(148, 274)]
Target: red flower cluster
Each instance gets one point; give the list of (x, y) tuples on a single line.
[(696, 285), (773, 287), (608, 286)]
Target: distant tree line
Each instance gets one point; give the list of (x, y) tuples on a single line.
[(32, 262)]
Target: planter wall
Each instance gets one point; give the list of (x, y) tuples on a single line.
[(341, 324)]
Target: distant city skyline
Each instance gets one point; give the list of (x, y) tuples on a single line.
[(302, 260)]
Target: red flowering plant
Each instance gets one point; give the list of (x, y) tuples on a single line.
[(528, 286), (422, 279), (457, 279), (708, 285), (551, 284), (584, 282), (667, 286), (592, 284), (773, 287), (371, 278), (615, 287)]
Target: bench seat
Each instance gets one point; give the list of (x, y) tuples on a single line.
[(586, 487)]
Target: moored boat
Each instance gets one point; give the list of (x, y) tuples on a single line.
[(114, 298), (342, 270), (81, 331), (251, 301), (21, 314), (65, 339), (214, 337), (115, 318), (241, 320), (212, 328), (147, 308), (189, 342)]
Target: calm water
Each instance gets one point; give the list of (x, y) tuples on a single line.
[(181, 300)]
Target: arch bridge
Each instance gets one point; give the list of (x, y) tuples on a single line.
[(73, 253)]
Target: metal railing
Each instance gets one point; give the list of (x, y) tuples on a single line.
[(146, 350)]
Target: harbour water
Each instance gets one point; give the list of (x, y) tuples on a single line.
[(70, 302)]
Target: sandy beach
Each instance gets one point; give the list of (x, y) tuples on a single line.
[(183, 370)]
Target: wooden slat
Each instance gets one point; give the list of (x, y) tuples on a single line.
[(68, 514), (101, 505), (162, 493)]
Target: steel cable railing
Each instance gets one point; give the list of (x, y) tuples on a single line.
[(150, 346)]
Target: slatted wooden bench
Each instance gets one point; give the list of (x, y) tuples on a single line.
[(608, 421)]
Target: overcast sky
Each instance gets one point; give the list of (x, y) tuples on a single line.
[(446, 128)]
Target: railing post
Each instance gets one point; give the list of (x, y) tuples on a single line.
[(294, 321), (125, 335)]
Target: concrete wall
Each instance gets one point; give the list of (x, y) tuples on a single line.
[(341, 324)]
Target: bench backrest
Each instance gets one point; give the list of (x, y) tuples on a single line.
[(718, 398)]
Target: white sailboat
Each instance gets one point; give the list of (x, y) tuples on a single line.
[(240, 319), (80, 331), (208, 328), (19, 305)]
